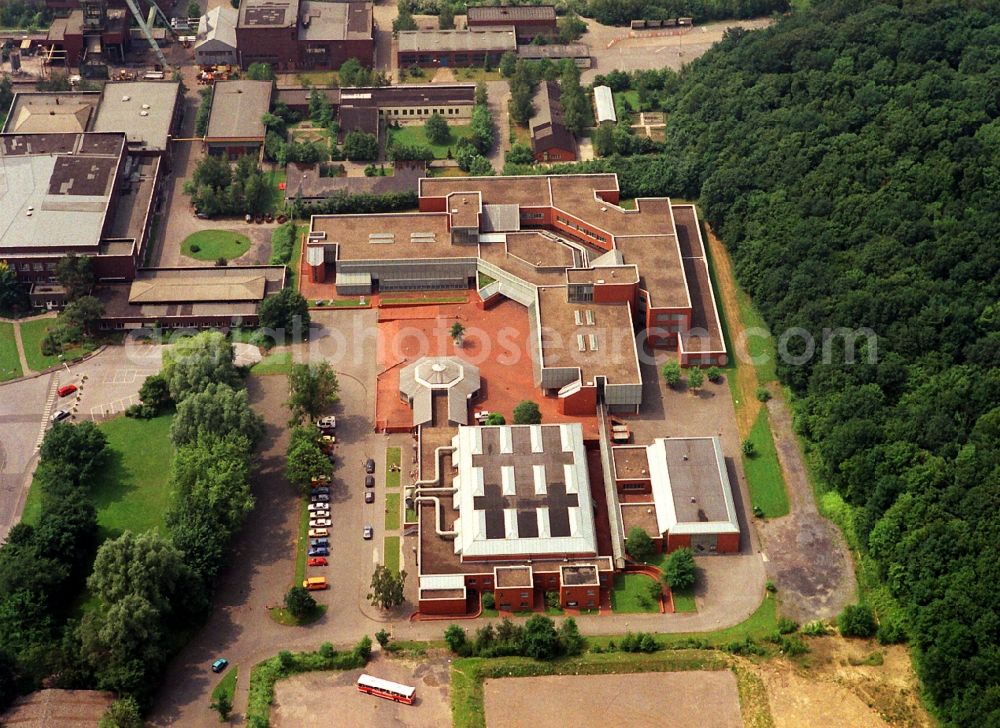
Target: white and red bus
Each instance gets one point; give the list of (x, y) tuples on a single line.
[(386, 689)]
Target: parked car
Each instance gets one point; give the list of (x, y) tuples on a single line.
[(319, 498), (368, 532), (320, 523), (318, 551), (369, 496), (369, 481), (322, 543), (66, 390), (314, 583), (321, 490), (219, 665), (327, 423), (318, 506), (59, 415), (369, 466), (320, 514), (318, 561), (318, 532)]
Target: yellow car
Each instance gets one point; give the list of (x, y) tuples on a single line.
[(318, 532)]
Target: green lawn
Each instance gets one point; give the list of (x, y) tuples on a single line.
[(293, 264), (277, 363), (132, 491), (32, 333), (283, 616), (684, 601), (227, 685), (302, 545), (274, 178), (437, 299), (210, 245), (392, 512), (415, 136), (631, 594), (484, 280), (393, 458), (411, 515), (761, 348), (318, 78), (764, 478), (343, 303), (10, 364), (390, 553)]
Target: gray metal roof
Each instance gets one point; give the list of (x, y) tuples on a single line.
[(237, 108), (217, 26), (605, 104), (143, 110), (691, 487), (448, 374), (501, 218)]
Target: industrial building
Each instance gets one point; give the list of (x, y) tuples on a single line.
[(578, 52), (604, 106), (455, 48), (216, 44), (82, 193), (301, 34), (677, 490), (551, 140), (528, 21), (235, 125)]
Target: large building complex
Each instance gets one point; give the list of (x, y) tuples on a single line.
[(560, 245), (303, 34)]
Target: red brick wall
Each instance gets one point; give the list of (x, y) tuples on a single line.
[(675, 542), (728, 543), (556, 155), (278, 46), (615, 292), (583, 597), (514, 598), (433, 204), (442, 606), (706, 360)]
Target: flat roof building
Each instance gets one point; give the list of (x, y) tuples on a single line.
[(456, 48), (235, 125), (579, 52), (81, 193), (300, 34), (147, 111), (678, 491)]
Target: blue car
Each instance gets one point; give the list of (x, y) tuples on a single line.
[(319, 551), (319, 543), (219, 665), (324, 490)]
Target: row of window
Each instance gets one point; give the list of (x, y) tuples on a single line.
[(25, 267), (423, 112), (589, 233)]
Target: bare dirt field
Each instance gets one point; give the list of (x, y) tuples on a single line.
[(331, 699), (826, 690), (697, 698)]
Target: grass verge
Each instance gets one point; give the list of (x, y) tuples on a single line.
[(415, 301), (684, 601), (763, 471), (390, 553), (393, 458), (32, 333), (392, 512), (210, 245), (283, 616), (265, 674), (10, 362), (302, 544), (277, 363), (631, 595), (227, 685), (341, 303)]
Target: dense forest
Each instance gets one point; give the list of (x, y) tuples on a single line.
[(849, 157)]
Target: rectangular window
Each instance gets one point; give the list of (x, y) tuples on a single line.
[(524, 595)]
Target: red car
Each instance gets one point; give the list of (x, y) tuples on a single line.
[(66, 390), (317, 561)]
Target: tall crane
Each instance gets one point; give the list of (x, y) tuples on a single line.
[(147, 29), (95, 18)]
